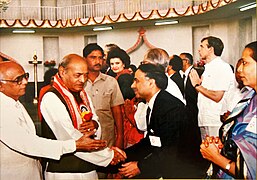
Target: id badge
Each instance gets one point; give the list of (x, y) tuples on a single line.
[(155, 141)]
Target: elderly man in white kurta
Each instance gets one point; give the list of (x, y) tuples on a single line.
[(62, 107), (19, 144)]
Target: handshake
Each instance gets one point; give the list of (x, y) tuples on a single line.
[(86, 143)]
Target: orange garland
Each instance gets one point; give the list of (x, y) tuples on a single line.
[(137, 16)]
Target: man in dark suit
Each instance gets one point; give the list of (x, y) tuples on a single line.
[(173, 70), (191, 133), (157, 154)]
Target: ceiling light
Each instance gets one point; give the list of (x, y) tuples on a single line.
[(159, 23), (102, 28), (23, 31), (247, 6)]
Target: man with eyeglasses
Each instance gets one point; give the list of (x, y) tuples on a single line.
[(19, 144)]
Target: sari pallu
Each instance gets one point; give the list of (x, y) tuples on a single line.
[(239, 138)]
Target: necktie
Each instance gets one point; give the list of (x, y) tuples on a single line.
[(147, 115)]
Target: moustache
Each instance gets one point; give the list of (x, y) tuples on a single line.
[(97, 65)]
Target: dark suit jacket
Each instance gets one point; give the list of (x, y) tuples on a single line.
[(191, 132), (176, 77), (156, 162), (191, 94)]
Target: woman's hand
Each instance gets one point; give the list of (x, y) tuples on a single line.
[(210, 148)]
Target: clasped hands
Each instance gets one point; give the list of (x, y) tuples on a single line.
[(211, 147), (87, 143)]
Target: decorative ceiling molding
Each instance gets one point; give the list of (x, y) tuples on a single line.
[(137, 16)]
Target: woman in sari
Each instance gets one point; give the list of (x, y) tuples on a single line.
[(234, 151)]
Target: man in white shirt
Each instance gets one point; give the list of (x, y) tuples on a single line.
[(19, 144), (212, 87)]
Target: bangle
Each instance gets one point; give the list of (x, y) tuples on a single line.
[(197, 85), (228, 166)]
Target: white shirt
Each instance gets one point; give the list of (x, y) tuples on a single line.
[(186, 73), (19, 143), (217, 76), (58, 119), (173, 89)]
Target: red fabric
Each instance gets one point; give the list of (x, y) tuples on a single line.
[(65, 92), (131, 134), (124, 71), (42, 92)]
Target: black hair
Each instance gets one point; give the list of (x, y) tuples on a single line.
[(49, 74), (189, 57), (253, 47), (92, 47), (155, 72), (176, 63), (216, 43), (119, 53)]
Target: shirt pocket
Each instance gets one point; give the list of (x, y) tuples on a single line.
[(105, 101)]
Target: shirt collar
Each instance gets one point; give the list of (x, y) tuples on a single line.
[(188, 70), (151, 102), (8, 100)]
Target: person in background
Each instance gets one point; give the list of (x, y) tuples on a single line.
[(20, 147), (119, 62), (173, 70), (106, 68), (234, 151), (191, 134), (213, 87), (160, 57), (106, 97), (67, 113), (132, 69), (236, 93), (48, 81)]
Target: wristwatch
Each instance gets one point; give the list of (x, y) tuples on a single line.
[(197, 85), (228, 166)]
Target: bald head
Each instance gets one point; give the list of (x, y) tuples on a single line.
[(10, 72), (8, 68), (73, 71)]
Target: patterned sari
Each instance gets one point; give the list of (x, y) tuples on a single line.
[(239, 137)]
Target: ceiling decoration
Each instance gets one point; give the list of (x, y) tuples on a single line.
[(137, 16)]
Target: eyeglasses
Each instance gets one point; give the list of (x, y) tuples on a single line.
[(19, 79)]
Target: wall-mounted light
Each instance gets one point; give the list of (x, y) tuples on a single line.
[(247, 6), (159, 23), (102, 28), (23, 31)]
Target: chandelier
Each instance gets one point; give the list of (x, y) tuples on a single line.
[(4, 5)]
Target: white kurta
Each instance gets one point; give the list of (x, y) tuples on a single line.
[(58, 119), (20, 145)]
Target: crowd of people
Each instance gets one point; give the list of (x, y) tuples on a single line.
[(102, 117)]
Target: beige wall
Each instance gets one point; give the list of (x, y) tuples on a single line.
[(173, 38)]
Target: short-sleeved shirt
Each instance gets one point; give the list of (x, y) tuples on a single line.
[(218, 76), (105, 94)]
